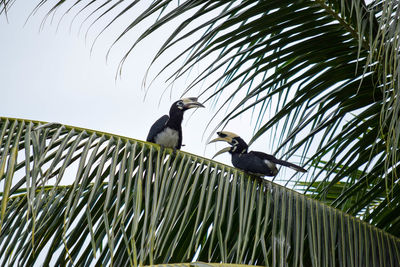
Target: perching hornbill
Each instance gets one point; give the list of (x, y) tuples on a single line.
[(167, 130), (258, 163)]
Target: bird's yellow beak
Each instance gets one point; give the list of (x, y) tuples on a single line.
[(191, 102), (224, 136), (226, 149)]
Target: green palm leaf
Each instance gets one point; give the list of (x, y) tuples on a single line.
[(130, 203), (202, 264), (302, 67)]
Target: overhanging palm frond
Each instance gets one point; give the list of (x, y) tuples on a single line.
[(131, 203)]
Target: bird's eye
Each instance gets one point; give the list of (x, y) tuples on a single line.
[(180, 104), (235, 142)]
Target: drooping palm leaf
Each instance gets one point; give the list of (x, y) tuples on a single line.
[(130, 203)]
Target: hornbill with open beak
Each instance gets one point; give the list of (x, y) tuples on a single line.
[(254, 162), (167, 130)]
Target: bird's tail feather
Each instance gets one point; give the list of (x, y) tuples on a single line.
[(290, 165), (297, 168)]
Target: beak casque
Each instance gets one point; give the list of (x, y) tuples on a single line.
[(224, 136), (191, 102)]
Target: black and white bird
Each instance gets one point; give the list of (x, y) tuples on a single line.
[(167, 130), (254, 162)]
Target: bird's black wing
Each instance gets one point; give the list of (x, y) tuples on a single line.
[(157, 127), (277, 161)]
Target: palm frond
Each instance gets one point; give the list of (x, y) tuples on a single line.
[(202, 264), (130, 203), (304, 67)]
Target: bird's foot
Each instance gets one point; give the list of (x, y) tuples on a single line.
[(258, 177)]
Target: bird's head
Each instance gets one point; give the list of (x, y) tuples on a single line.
[(185, 104), (238, 145)]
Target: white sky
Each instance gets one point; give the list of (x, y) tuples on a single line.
[(50, 75)]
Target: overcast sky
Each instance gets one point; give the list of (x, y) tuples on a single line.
[(52, 75)]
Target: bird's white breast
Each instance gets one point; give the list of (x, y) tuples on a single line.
[(167, 138)]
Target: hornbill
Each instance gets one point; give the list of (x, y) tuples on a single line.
[(254, 162), (167, 130)]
